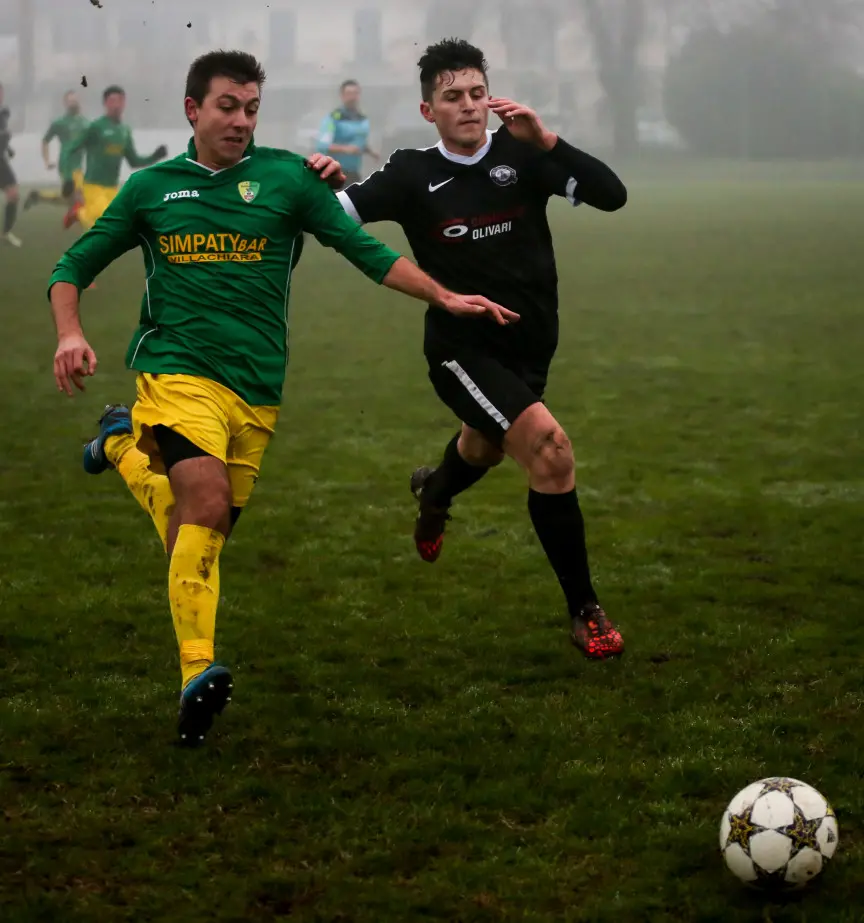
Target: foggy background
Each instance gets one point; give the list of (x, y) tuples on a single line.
[(741, 79)]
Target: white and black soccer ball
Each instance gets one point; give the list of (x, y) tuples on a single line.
[(778, 834)]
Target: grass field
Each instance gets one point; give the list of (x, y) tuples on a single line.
[(411, 742)]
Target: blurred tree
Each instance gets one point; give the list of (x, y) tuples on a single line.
[(764, 92), (617, 29), (26, 45)]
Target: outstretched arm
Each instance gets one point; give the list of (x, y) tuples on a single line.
[(326, 219), (112, 235), (134, 159), (565, 171)]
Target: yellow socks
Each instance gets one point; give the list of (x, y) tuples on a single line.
[(193, 591), (151, 490), (193, 576)]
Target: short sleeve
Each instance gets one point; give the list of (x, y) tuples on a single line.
[(323, 217), (381, 196)]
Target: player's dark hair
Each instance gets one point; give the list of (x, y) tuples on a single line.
[(237, 66), (110, 91), (448, 56), (348, 83)]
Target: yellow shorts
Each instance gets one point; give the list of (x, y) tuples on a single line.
[(96, 200), (211, 416)]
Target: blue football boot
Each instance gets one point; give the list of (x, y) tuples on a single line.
[(205, 696), (116, 420)]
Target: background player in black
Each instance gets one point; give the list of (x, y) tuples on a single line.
[(8, 181), (474, 211)]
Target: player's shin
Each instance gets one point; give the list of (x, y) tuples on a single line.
[(193, 591), (152, 491), (10, 216), (453, 476), (559, 525)]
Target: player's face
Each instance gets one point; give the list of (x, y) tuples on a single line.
[(73, 105), (459, 108), (351, 97), (115, 103), (225, 122)]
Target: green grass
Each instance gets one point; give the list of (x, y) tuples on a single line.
[(409, 742)]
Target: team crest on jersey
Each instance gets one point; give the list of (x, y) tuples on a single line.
[(248, 190), (503, 175)]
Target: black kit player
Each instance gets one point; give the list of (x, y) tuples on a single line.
[(474, 211), (8, 182)]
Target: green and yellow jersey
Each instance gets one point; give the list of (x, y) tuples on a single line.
[(107, 143), (219, 248), (67, 130)]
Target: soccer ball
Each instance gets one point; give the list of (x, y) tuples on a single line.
[(778, 834)]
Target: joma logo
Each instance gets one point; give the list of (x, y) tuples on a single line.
[(183, 194)]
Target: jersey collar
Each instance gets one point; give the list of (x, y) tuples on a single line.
[(192, 156), (463, 158)]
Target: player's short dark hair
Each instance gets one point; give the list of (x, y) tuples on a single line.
[(238, 66), (351, 82), (448, 56), (110, 91)]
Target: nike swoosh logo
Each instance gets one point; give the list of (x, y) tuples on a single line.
[(433, 188)]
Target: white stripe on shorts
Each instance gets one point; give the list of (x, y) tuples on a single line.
[(477, 394)]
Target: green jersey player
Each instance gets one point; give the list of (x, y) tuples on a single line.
[(220, 229), (66, 129)]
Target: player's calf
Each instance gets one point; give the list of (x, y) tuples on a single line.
[(540, 445)]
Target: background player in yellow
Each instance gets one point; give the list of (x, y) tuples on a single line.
[(220, 229), (66, 129), (106, 144)]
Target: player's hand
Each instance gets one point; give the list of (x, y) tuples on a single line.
[(161, 152), (464, 305), (50, 166), (353, 149), (73, 362), (523, 123), (328, 169)]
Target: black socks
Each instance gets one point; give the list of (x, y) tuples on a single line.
[(560, 527), (451, 477), (11, 215)]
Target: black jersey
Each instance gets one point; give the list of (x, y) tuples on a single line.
[(478, 225)]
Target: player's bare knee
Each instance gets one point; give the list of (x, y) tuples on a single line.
[(552, 455), (12, 194)]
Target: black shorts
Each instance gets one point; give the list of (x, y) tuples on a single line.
[(67, 190), (485, 392), (7, 174)]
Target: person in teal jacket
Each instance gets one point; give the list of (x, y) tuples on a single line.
[(344, 133)]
